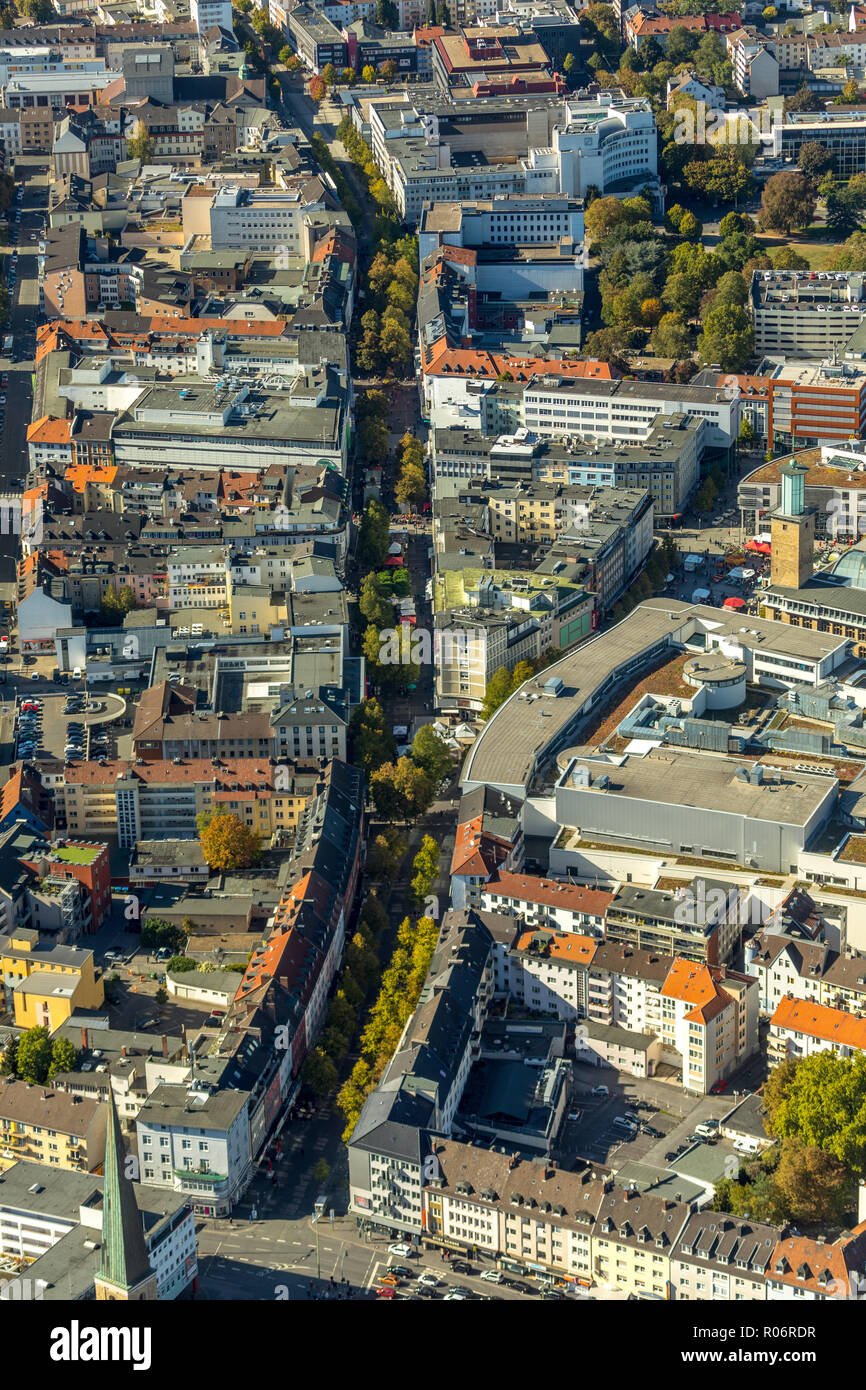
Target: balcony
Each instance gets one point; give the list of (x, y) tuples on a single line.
[(202, 1184)]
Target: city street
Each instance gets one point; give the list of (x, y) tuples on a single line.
[(22, 324)]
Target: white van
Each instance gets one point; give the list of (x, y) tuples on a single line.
[(76, 674), (746, 1146), (708, 1130)]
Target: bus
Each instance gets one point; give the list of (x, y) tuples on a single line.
[(8, 345)]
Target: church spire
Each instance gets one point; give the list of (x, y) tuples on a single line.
[(125, 1265)]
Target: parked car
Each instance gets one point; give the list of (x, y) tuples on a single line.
[(462, 1267), (719, 1088), (599, 1091), (493, 1276), (404, 1251)]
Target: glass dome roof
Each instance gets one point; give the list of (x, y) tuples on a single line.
[(850, 568)]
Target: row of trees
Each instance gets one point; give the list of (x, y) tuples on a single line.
[(398, 995), (362, 157), (425, 866), (504, 682), (321, 1067), (411, 489), (402, 788), (663, 560), (35, 1058), (816, 1110), (392, 289)]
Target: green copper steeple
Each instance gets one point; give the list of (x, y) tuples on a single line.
[(125, 1261)]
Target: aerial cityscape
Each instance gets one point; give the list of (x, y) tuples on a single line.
[(432, 655)]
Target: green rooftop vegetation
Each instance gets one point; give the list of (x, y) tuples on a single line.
[(77, 854)]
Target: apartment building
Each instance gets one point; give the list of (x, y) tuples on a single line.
[(45, 986), (721, 1257), (810, 1270), (315, 39), (131, 800), (548, 903), (198, 577), (535, 145), (196, 1140), (461, 392), (666, 463), (207, 14), (51, 1127), (700, 921), (802, 1028)]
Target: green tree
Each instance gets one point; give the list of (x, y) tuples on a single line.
[(322, 1171), (731, 289), (385, 853), (788, 202), (64, 1055), (803, 100), (39, 11), (373, 540), (426, 867), (319, 1073), (140, 145), (9, 1056), (822, 1104), (34, 1056), (812, 1185), (157, 934), (498, 690), (728, 338), (374, 606), (430, 751), (852, 254), (329, 75), (786, 258), (849, 95), (671, 337), (181, 965), (396, 346), (411, 487), (814, 159), (705, 496)]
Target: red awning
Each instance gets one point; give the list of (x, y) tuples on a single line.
[(734, 603)]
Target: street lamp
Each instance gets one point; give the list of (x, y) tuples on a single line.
[(318, 1262)]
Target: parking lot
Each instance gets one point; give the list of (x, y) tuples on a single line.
[(64, 723), (658, 1105)]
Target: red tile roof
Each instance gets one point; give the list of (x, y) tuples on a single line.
[(819, 1021)]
